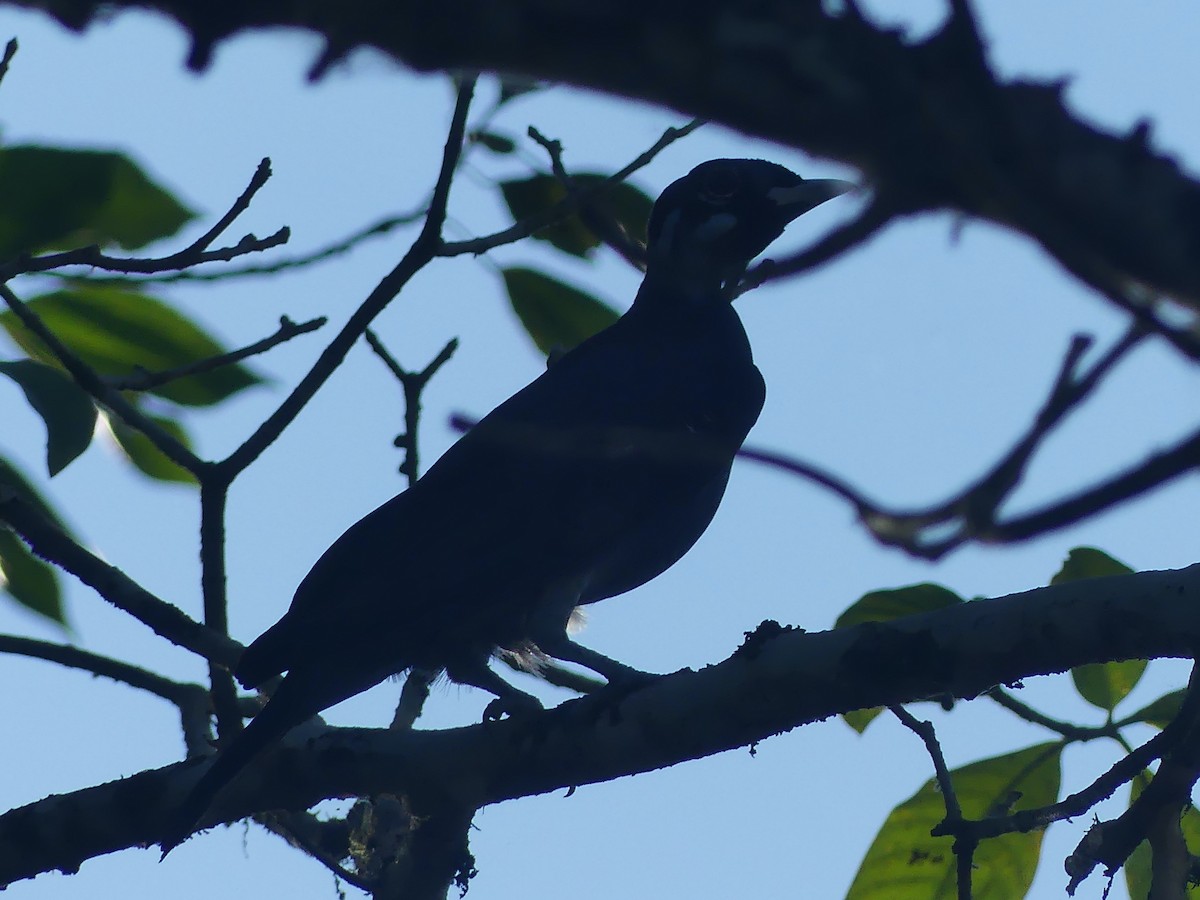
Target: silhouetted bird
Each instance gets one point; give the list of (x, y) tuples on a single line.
[(591, 481)]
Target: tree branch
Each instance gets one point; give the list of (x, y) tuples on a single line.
[(568, 204), (91, 382), (964, 845), (780, 679), (194, 254), (191, 699), (423, 250), (933, 532), (1111, 843), (10, 50), (1067, 730), (598, 220), (50, 543), (413, 384), (176, 692), (144, 381), (214, 492), (925, 120), (337, 248)]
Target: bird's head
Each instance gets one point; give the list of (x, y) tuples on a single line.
[(707, 226)]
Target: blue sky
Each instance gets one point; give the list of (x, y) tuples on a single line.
[(906, 367)]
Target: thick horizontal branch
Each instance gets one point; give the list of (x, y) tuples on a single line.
[(925, 121), (778, 680)]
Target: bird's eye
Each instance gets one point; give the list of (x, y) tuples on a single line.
[(719, 185)]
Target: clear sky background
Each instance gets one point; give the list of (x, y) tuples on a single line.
[(906, 366)]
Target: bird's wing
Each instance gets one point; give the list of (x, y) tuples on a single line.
[(543, 488)]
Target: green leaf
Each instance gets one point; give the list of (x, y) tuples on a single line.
[(68, 412), (1103, 685), (28, 580), (859, 719), (1138, 866), (56, 198), (497, 143), (1160, 712), (556, 315), (883, 606), (624, 203), (116, 331), (11, 477), (1088, 562), (151, 461), (905, 861)]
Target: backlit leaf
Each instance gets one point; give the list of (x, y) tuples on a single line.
[(623, 203), (905, 861), (116, 331), (895, 603), (28, 580), (1100, 684), (57, 199), (1138, 866), (151, 461), (68, 412), (555, 315)]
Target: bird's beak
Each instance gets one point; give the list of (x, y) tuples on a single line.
[(796, 200)]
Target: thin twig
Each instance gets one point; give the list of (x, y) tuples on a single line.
[(177, 692), (416, 686), (1178, 746), (1070, 390), (593, 214), (53, 545), (190, 699), (1080, 802), (1154, 471), (424, 249), (924, 730), (214, 492), (337, 248), (10, 50), (240, 205), (93, 258), (964, 845), (971, 515), (413, 384), (304, 830), (808, 472), (91, 382), (1068, 730), (145, 381), (568, 204), (195, 253)]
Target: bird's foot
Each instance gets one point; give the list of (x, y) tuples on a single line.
[(514, 704)]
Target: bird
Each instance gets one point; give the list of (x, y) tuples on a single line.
[(595, 478)]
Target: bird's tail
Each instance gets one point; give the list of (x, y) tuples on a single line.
[(295, 701)]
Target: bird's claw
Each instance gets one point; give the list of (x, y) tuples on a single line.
[(514, 705)]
